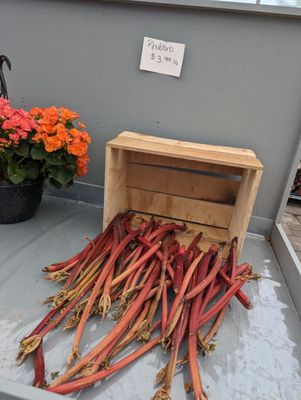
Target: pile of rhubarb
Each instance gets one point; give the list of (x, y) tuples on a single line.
[(158, 287)]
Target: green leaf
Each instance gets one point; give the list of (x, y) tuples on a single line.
[(71, 168), (61, 174), (15, 174), (37, 153), (22, 149), (55, 159), (54, 374), (55, 183), (9, 154), (70, 158), (31, 169)]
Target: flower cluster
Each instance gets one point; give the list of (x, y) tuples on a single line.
[(55, 129), (44, 143), (15, 124)]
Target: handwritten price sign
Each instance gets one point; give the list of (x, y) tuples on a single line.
[(162, 57)]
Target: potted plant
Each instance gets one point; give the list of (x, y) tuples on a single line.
[(42, 145)]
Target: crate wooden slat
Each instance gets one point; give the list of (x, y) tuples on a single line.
[(181, 183), (213, 188), (179, 207), (173, 162), (191, 151)]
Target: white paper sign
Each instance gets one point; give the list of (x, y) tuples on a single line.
[(162, 57)]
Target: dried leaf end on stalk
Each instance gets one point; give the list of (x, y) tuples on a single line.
[(161, 394), (57, 276), (27, 346), (72, 322), (104, 305), (161, 375), (75, 353)]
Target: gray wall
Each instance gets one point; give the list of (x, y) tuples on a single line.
[(240, 84)]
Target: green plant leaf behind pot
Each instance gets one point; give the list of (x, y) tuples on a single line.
[(38, 153), (55, 183), (31, 168), (60, 174), (22, 149), (15, 174), (55, 158)]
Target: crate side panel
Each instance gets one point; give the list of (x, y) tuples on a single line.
[(115, 178), (244, 205)]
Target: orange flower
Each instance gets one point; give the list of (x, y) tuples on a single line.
[(50, 116), (53, 130), (37, 137), (77, 148), (81, 165), (68, 115), (52, 143), (36, 112), (48, 128), (86, 138), (62, 133), (75, 133)]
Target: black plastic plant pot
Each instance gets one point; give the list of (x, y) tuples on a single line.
[(19, 202)]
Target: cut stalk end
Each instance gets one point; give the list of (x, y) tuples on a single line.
[(56, 276), (75, 353), (161, 394), (86, 370), (60, 297), (161, 375), (104, 305), (27, 346), (188, 387), (145, 331), (72, 322)]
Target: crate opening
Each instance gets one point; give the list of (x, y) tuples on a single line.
[(210, 233)]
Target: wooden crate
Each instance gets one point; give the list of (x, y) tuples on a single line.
[(211, 188)]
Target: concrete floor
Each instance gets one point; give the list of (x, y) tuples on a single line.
[(291, 223), (258, 353)]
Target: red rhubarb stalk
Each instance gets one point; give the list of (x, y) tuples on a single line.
[(192, 347), (222, 301), (165, 228), (104, 272), (176, 306), (179, 269), (158, 253), (31, 343), (177, 337), (244, 268), (240, 295), (137, 264), (105, 299), (117, 331), (164, 312), (39, 367), (233, 257), (205, 282), (82, 383), (194, 242)]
